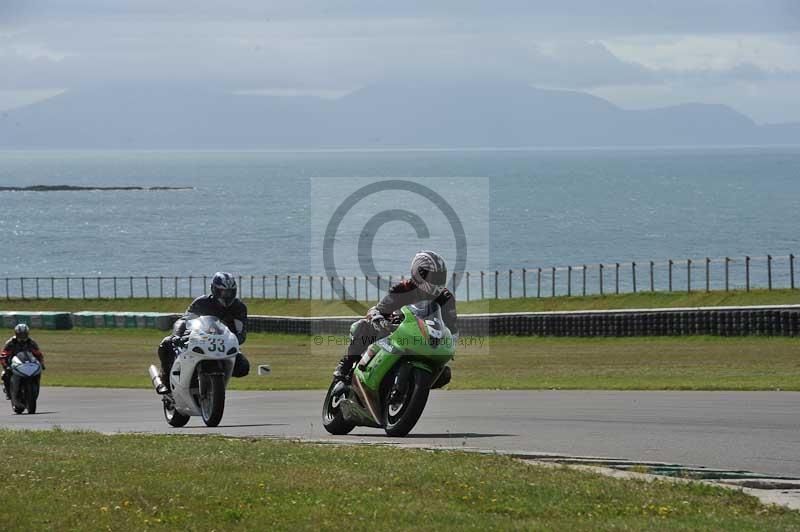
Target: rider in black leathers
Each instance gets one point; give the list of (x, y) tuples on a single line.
[(221, 303)]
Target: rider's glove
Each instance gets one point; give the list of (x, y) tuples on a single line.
[(378, 320)]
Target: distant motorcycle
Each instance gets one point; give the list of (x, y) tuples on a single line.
[(198, 377), (391, 382), (26, 372)]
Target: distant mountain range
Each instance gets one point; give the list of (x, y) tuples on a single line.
[(378, 116)]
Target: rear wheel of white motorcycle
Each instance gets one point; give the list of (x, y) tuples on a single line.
[(332, 416), (173, 417), (212, 400), (403, 407), (31, 394)]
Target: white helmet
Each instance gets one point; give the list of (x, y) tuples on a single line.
[(22, 332), (429, 271)]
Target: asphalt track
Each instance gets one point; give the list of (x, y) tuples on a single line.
[(755, 431)]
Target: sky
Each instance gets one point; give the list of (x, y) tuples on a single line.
[(635, 53)]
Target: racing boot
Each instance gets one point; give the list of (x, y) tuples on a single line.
[(344, 369)]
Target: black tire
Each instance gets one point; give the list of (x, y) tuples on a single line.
[(332, 417), (212, 403), (31, 395), (403, 414), (173, 417)]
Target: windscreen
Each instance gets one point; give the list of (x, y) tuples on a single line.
[(207, 324)]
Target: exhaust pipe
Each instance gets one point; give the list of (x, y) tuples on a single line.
[(158, 384)]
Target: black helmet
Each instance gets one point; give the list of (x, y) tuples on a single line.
[(223, 288), (22, 332), (429, 271)]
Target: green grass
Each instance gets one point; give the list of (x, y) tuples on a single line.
[(119, 358), (293, 307), (207, 483)]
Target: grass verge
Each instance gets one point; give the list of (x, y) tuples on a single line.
[(294, 307), (206, 483), (119, 358)]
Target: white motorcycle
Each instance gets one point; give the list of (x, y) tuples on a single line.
[(26, 371), (201, 371)]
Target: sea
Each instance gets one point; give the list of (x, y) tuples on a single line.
[(315, 212)]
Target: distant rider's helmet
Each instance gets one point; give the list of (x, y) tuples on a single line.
[(429, 271), (223, 288), (22, 332)]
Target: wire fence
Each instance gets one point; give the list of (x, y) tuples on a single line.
[(672, 275)]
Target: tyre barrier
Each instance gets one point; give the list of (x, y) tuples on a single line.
[(37, 320), (124, 320), (714, 321)]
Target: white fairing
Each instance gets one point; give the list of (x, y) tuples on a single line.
[(209, 339), (25, 364)]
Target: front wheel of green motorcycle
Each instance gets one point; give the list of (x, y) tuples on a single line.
[(404, 403), (332, 417)]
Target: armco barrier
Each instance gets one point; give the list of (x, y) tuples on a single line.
[(718, 321), (38, 320)]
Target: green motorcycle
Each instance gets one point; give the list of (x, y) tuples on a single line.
[(392, 380)]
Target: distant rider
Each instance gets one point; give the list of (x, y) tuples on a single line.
[(20, 342), (221, 303), (427, 283)]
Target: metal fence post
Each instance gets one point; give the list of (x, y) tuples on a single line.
[(569, 281), (251, 286), (553, 281), (22, 287), (769, 272), (538, 282), (454, 282), (616, 277), (115, 288), (147, 287), (379, 286), (524, 283), (708, 274), (601, 279), (161, 286), (670, 275), (791, 271), (130, 280), (496, 277), (633, 275), (52, 287), (299, 282), (482, 296), (190, 286), (343, 290), (83, 287), (467, 286), (727, 273), (7, 294), (98, 288), (67, 278), (288, 282), (747, 273), (37, 288), (320, 287), (330, 281), (366, 288), (689, 275), (275, 284), (509, 283), (176, 288), (652, 277), (583, 283), (355, 288)]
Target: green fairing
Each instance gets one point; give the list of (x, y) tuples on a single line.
[(409, 342)]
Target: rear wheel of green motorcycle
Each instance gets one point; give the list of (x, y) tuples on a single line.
[(403, 407), (332, 416)]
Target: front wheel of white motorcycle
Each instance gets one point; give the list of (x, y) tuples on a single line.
[(173, 417), (212, 400)]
